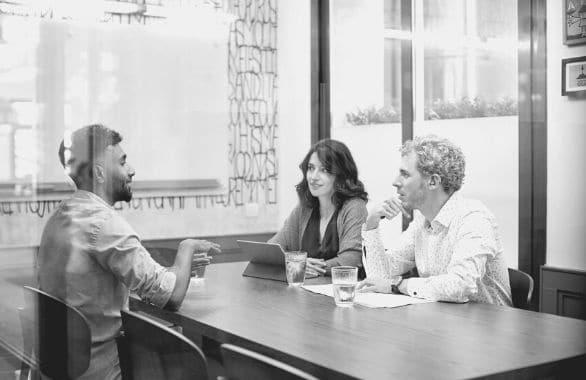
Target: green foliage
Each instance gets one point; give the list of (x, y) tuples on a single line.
[(373, 116), (469, 108), (438, 110)]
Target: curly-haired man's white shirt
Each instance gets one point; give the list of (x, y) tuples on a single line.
[(458, 255)]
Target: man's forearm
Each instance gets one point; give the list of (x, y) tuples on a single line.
[(445, 287), (375, 260), (182, 269)]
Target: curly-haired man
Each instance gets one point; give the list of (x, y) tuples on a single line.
[(453, 242)]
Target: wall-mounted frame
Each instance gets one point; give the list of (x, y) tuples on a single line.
[(574, 76), (574, 22)]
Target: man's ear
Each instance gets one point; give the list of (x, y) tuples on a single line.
[(99, 174), (434, 181)]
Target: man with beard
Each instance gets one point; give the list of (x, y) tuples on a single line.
[(91, 258), (452, 241)]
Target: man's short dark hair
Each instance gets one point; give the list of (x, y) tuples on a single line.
[(77, 154)]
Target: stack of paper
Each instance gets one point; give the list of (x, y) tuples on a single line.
[(369, 299)]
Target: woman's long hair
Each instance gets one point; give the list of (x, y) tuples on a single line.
[(337, 160)]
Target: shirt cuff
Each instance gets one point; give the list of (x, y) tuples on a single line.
[(160, 296), (413, 287), (369, 234)]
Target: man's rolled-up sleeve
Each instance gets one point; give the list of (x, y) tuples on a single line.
[(380, 263), (118, 249), (476, 244)]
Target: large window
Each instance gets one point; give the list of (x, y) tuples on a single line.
[(469, 58), (466, 90), (365, 40), (463, 72)]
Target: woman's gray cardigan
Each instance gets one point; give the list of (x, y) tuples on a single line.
[(350, 219)]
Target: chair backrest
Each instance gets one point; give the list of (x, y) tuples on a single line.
[(242, 364), (57, 333), (150, 350), (521, 288)]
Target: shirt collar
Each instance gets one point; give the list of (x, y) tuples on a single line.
[(448, 211), (83, 194)]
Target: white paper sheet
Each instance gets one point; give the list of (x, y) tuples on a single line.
[(369, 299)]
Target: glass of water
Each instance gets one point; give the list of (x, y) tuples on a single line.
[(295, 263), (344, 280)]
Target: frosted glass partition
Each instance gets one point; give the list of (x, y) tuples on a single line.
[(148, 82), (196, 91)]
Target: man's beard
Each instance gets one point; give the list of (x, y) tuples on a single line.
[(123, 193)]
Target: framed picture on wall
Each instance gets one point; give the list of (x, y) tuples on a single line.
[(575, 22), (574, 76)]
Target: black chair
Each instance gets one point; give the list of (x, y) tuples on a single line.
[(243, 364), (56, 336), (150, 350), (521, 288)]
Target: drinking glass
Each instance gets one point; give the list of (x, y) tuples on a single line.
[(198, 273), (295, 263), (197, 268), (344, 280)]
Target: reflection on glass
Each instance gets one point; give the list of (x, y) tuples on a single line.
[(144, 77), (25, 160), (194, 92), (5, 152), (18, 108)]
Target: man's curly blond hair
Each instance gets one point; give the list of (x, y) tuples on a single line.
[(437, 155)]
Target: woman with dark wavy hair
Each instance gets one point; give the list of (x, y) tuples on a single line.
[(327, 221)]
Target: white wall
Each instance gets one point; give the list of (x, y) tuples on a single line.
[(566, 155)]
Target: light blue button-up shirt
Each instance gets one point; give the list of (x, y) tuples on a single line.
[(91, 258)]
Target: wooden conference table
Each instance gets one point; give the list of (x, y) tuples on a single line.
[(432, 340)]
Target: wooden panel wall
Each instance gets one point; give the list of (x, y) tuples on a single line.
[(563, 292)]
